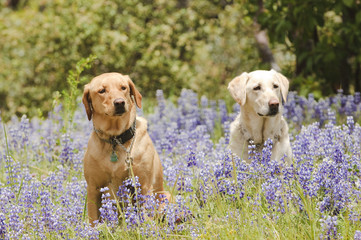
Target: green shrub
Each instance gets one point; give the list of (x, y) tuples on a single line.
[(162, 45)]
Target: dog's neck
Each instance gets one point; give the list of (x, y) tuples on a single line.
[(115, 125), (119, 139), (259, 129)]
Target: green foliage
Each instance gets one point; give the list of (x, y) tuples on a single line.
[(171, 45), (166, 45), (310, 84), (325, 36), (71, 94)]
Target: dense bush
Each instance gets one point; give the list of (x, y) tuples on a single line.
[(43, 191), (321, 35), (162, 44)]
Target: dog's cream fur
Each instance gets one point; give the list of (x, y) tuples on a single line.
[(260, 95), (99, 99)]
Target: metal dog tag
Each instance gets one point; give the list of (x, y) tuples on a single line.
[(113, 157)]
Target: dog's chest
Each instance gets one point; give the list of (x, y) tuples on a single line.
[(106, 164), (116, 166)]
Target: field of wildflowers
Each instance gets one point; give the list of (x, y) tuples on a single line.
[(43, 191)]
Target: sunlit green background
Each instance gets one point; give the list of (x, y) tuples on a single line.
[(174, 44)]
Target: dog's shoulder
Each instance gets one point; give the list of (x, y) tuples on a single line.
[(142, 125), (236, 123), (283, 127), (238, 130), (141, 121)]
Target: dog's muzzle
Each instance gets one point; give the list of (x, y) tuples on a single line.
[(119, 106), (273, 105)]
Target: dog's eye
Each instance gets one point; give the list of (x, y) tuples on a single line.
[(124, 88), (257, 88), (275, 86), (101, 91)]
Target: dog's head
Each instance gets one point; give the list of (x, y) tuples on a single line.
[(110, 94), (262, 91)]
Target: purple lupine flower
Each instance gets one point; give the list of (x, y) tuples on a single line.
[(331, 116), (188, 107), (350, 124), (204, 102), (151, 204), (67, 153), (191, 161), (273, 192), (74, 193), (131, 217), (357, 98), (329, 227), (133, 203), (209, 115), (223, 111), (161, 104), (350, 107), (85, 231), (357, 235), (326, 167), (48, 219), (24, 130), (15, 224), (176, 213), (209, 118), (2, 225), (108, 210), (184, 182), (13, 172), (267, 151)]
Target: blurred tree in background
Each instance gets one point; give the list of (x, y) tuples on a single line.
[(174, 44), (167, 44), (324, 35)]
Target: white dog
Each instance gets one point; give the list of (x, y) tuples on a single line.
[(260, 95)]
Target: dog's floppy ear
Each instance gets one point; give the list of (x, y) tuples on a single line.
[(134, 91), (284, 84), (237, 88), (87, 101)]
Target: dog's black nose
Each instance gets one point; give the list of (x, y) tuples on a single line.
[(119, 102), (119, 106), (273, 103)]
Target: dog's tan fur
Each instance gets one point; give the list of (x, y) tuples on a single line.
[(99, 171), (255, 92)]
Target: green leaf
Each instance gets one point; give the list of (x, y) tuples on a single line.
[(348, 3), (358, 17)]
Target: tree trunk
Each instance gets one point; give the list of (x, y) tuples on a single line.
[(345, 75), (351, 51), (264, 49), (262, 41), (12, 3)]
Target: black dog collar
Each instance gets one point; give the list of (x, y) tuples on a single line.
[(120, 139)]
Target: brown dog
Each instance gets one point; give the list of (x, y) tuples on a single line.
[(119, 144)]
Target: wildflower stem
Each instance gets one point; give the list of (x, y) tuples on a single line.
[(85, 206), (307, 203)]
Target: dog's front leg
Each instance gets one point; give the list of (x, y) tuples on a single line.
[(94, 203)]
